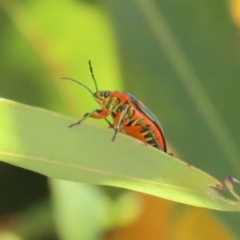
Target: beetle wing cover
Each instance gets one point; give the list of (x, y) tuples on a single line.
[(141, 107)]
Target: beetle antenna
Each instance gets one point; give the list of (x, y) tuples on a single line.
[(91, 70), (71, 79)]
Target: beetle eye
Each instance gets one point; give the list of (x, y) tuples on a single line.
[(106, 94)]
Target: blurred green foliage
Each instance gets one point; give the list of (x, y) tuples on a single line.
[(180, 58)]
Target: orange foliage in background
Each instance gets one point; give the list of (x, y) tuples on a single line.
[(235, 8), (161, 219)]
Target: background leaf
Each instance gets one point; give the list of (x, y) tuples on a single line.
[(186, 67)]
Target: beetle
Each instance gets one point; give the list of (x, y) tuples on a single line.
[(129, 115)]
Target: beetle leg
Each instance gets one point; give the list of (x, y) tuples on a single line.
[(110, 125), (85, 116), (123, 114), (98, 114)]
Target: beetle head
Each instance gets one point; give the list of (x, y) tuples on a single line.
[(101, 97)]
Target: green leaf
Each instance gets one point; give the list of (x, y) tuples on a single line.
[(40, 140)]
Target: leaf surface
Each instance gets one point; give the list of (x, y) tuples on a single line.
[(40, 140)]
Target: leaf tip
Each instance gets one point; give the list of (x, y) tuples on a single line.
[(229, 184)]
